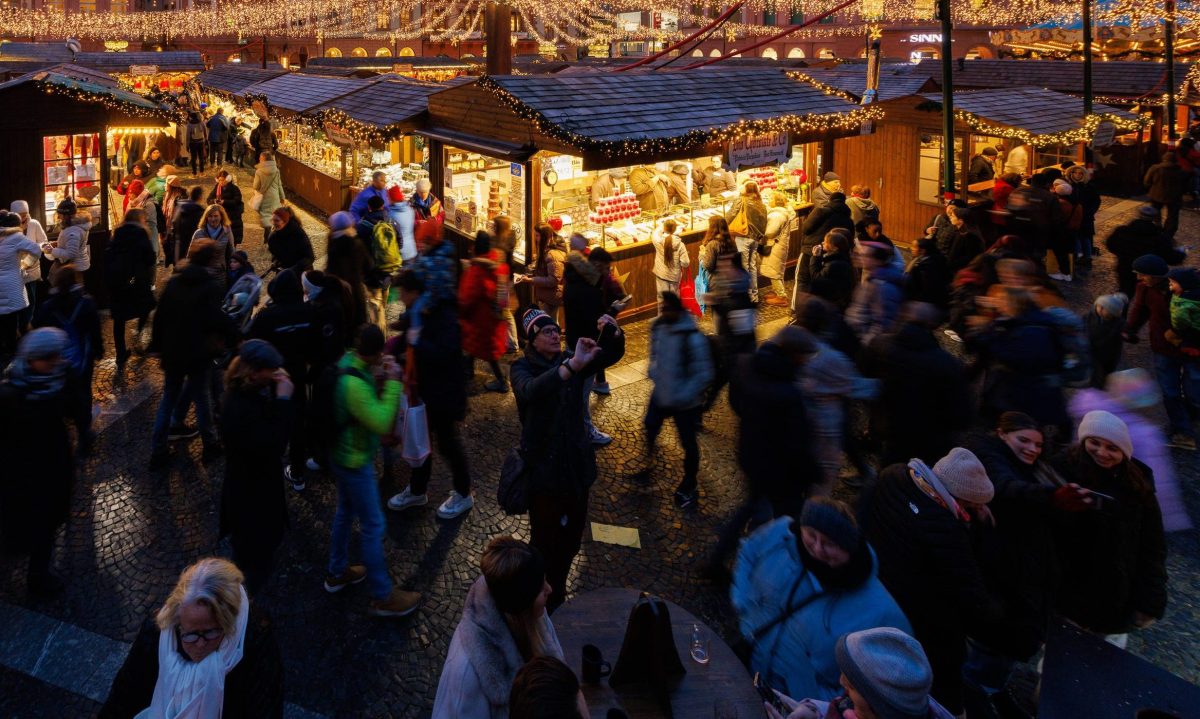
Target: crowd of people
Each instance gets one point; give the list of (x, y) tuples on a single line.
[(992, 486)]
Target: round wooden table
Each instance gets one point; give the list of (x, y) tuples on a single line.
[(599, 617)]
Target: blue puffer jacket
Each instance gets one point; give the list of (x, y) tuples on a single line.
[(796, 655)]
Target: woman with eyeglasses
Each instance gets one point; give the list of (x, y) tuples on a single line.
[(207, 653)]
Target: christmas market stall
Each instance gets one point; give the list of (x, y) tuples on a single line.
[(62, 144), (437, 68), (1028, 129), (375, 125), (613, 156)]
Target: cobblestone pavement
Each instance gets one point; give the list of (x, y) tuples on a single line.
[(131, 532)]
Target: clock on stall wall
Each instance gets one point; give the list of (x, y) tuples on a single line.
[(550, 177)]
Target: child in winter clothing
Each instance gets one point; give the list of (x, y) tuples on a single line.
[(1104, 322), (1185, 310)]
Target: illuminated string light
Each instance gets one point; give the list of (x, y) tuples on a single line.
[(1082, 133)]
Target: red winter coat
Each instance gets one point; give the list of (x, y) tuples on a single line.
[(482, 296)]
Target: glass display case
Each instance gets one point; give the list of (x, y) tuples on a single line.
[(71, 169), (479, 188), (309, 146)]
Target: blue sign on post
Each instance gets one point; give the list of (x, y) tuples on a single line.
[(515, 168)]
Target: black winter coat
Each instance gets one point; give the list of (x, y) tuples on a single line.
[(928, 280), (583, 298), (130, 248), (925, 559), (965, 244), (58, 309), (253, 689), (347, 259), (440, 382), (186, 221), (290, 325), (1114, 556), (925, 400), (290, 247), (1132, 240), (255, 426), (1024, 361), (35, 495), (773, 430), (822, 219), (1017, 556), (1105, 343), (231, 200), (558, 451), (833, 278), (190, 330)]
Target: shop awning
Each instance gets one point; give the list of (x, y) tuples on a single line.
[(384, 108), (293, 93), (1120, 81), (492, 148), (895, 80), (102, 93), (1036, 116), (232, 78), (662, 113)]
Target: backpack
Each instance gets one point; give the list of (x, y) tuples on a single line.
[(1073, 342), (195, 132), (385, 247), (720, 369), (79, 345), (121, 266), (328, 415)]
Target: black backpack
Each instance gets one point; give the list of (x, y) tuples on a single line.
[(121, 266), (328, 420)]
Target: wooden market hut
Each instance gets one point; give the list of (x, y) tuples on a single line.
[(229, 80), (61, 144), (901, 162), (144, 71), (540, 133)]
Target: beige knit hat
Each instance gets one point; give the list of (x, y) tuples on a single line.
[(964, 476), (1106, 426)]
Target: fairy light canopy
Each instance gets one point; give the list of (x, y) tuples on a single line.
[(586, 22)]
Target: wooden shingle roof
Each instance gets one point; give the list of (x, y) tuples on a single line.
[(1121, 78), (1037, 111), (114, 62), (297, 93), (385, 64), (232, 78), (605, 109), (895, 80), (389, 106), (106, 93)]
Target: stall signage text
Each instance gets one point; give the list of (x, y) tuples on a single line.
[(338, 135), (1103, 136), (925, 37), (759, 150), (143, 69)]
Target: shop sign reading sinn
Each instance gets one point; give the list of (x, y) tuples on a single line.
[(758, 150)]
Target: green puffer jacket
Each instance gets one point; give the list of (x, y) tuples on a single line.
[(363, 414)]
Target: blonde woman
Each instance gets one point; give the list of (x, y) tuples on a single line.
[(215, 226), (748, 239), (207, 654), (504, 625)]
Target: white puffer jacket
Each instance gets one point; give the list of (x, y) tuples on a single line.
[(14, 246)]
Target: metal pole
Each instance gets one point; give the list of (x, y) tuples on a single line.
[(1169, 51), (1087, 57), (264, 60), (949, 176)]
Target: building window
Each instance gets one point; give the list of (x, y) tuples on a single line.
[(697, 53), (797, 15), (770, 54), (1056, 155), (87, 6), (383, 20), (826, 53), (929, 172), (769, 14), (332, 52), (383, 52), (358, 52), (119, 7), (795, 53), (715, 53), (406, 52), (71, 169)]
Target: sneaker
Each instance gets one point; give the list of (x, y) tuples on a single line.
[(1181, 440), (354, 574), (399, 604), (1060, 277), (497, 385), (686, 499), (953, 335), (455, 505), (601, 388), (311, 465), (182, 431), (406, 499), (600, 438), (297, 480)]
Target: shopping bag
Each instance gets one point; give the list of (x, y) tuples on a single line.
[(256, 201), (414, 444), (687, 293), (701, 287), (512, 494)]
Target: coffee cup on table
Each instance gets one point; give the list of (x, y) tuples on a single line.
[(594, 666)]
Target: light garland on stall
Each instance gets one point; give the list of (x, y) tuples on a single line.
[(1083, 133), (827, 89), (690, 140), (361, 132), (79, 92)]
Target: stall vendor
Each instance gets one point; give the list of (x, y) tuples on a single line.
[(677, 189), (650, 186), (1017, 160), (608, 184), (715, 179)]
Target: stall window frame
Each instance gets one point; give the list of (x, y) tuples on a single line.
[(521, 224), (960, 141), (99, 161), (1058, 152)]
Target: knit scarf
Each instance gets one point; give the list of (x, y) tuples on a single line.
[(195, 690), (932, 487), (38, 386)]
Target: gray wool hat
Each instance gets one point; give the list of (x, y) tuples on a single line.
[(42, 343), (260, 354), (889, 669)]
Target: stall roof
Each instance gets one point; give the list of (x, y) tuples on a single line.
[(896, 80), (389, 106), (1127, 79), (114, 62), (385, 64), (297, 93), (233, 78), (1037, 111), (106, 93), (599, 111), (78, 72)]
